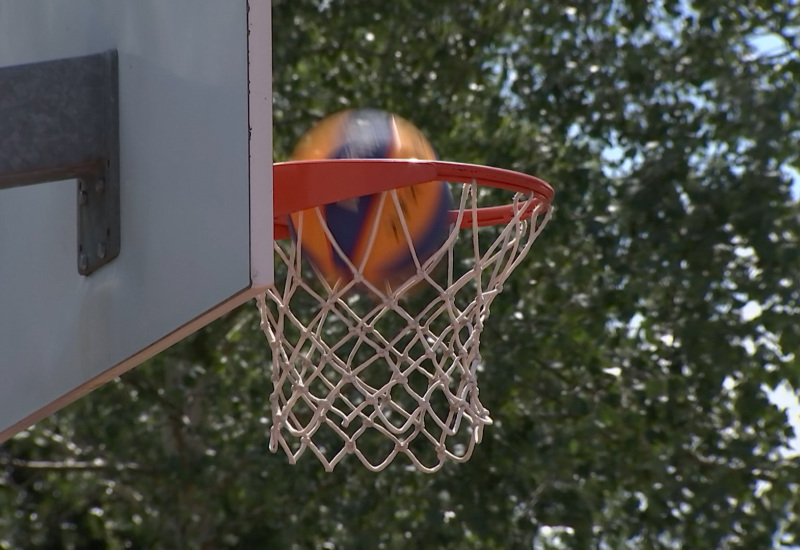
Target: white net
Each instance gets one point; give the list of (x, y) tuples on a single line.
[(381, 372)]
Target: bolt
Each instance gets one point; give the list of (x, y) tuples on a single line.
[(101, 250)]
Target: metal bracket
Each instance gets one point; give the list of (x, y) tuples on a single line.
[(59, 120)]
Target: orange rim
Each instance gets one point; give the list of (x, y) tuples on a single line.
[(303, 184)]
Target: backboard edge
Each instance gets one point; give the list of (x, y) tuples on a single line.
[(134, 360), (259, 69)]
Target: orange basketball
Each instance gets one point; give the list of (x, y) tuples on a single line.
[(368, 229)]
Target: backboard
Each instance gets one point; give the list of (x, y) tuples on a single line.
[(195, 194)]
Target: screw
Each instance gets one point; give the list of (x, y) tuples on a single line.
[(83, 262), (101, 250), (100, 185)]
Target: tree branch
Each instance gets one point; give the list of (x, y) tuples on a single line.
[(75, 465)]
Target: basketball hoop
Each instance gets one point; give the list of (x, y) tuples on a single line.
[(381, 372)]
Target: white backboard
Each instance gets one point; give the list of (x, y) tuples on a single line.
[(195, 195)]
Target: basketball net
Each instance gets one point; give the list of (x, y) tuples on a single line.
[(382, 372)]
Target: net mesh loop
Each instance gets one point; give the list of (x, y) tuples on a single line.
[(382, 372)]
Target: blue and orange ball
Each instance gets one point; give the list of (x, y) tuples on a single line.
[(372, 134)]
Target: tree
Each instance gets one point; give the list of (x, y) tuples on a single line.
[(628, 362)]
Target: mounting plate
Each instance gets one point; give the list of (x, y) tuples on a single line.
[(60, 121)]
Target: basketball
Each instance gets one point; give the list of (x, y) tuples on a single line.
[(384, 257)]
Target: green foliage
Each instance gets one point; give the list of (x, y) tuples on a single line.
[(624, 368)]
